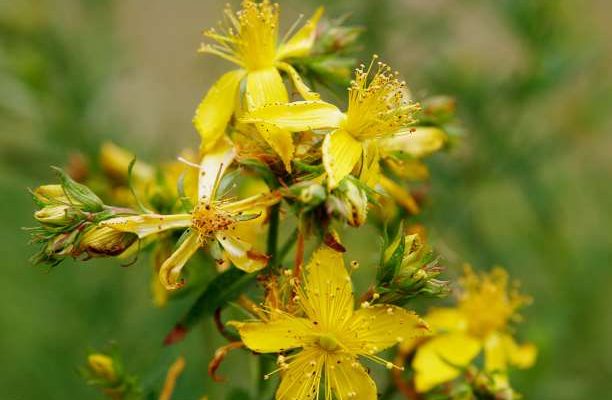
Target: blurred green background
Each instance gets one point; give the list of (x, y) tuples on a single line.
[(530, 187)]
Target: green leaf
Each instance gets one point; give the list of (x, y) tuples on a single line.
[(226, 287)]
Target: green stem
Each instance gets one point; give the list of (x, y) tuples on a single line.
[(273, 236), (286, 248)]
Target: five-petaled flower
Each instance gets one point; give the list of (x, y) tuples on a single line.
[(479, 322), (331, 335), (379, 107), (251, 41), (212, 219)]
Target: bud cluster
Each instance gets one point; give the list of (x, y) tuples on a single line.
[(68, 217), (409, 268)]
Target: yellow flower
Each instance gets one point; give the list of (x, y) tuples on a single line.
[(378, 107), (211, 220), (250, 40), (331, 335), (478, 323)]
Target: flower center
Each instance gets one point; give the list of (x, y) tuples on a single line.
[(328, 342), (379, 104), (249, 37), (207, 219)]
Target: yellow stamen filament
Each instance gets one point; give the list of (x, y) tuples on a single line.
[(379, 105)]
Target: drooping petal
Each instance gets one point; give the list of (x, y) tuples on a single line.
[(280, 140), (446, 319), (147, 224), (298, 116), (265, 86), (241, 253), (215, 111), (299, 84), (402, 196), (301, 379), (348, 378), (379, 327), (301, 42), (439, 360), (274, 336), (417, 142), (170, 271), (213, 166), (340, 154), (328, 293)]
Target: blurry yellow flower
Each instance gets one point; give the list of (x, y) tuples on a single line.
[(479, 322), (211, 220), (378, 107), (331, 334), (250, 40)]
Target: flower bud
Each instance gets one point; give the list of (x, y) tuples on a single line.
[(106, 241), (47, 194), (409, 268), (78, 193), (102, 367), (55, 215), (351, 202)]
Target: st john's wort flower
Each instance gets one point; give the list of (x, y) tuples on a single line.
[(332, 336), (250, 40), (479, 323), (212, 219), (378, 107)]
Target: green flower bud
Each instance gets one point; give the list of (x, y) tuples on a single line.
[(79, 194), (351, 202)]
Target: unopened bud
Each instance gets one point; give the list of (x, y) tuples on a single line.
[(48, 193), (53, 215), (102, 367), (106, 241)]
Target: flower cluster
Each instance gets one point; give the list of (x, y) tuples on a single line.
[(277, 159)]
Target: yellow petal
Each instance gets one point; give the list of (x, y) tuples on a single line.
[(501, 350), (299, 84), (370, 167), (298, 116), (348, 378), (215, 111), (170, 271), (495, 354), (147, 224), (420, 142), (328, 292), (277, 335), (301, 42), (280, 140), (265, 86), (340, 154), (379, 327), (301, 379), (115, 161), (444, 319), (213, 166), (241, 253), (521, 356), (400, 195), (438, 360), (253, 203)]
